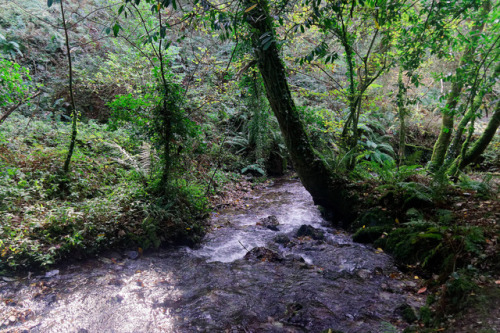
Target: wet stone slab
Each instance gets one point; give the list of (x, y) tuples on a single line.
[(242, 279)]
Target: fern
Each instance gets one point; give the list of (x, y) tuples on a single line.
[(142, 162), (483, 188)]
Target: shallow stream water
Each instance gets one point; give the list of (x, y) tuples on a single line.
[(244, 277)]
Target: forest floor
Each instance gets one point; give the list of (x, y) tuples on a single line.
[(457, 252)]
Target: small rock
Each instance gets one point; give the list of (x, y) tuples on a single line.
[(115, 282), (12, 319), (262, 254), (307, 230), (8, 279), (364, 274), (281, 239), (132, 255), (50, 298), (294, 257), (117, 299), (113, 255), (333, 275), (52, 273), (271, 222)]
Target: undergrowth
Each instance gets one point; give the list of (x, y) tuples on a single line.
[(443, 231), (103, 202)]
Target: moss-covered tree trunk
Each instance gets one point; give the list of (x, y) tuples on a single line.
[(325, 187), (480, 145), (443, 141), (444, 138), (454, 153), (402, 117)]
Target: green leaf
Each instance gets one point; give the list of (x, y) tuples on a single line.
[(50, 3), (116, 29)]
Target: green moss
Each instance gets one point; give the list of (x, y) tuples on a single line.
[(425, 315), (407, 313)]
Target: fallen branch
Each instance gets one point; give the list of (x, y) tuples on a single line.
[(12, 109)]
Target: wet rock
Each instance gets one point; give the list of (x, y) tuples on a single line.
[(50, 298), (113, 255), (309, 231), (364, 274), (271, 222), (263, 254), (116, 299), (295, 315), (295, 257), (8, 279), (132, 254), (333, 275), (52, 273), (281, 239), (115, 282)]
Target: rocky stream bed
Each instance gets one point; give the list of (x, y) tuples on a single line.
[(272, 266)]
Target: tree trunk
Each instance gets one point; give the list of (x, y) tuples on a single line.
[(480, 145), (443, 141), (326, 188), (470, 114), (72, 97), (402, 117)]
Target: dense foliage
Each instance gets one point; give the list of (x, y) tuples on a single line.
[(124, 122)]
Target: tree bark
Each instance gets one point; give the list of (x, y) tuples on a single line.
[(326, 188), (402, 117), (72, 97), (443, 141), (482, 143), (453, 152)]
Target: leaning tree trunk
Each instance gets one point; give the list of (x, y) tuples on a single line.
[(443, 141), (480, 145), (326, 188), (453, 152)]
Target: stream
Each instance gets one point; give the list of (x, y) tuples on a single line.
[(272, 266)]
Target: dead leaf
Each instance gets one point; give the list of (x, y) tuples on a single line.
[(422, 290)]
